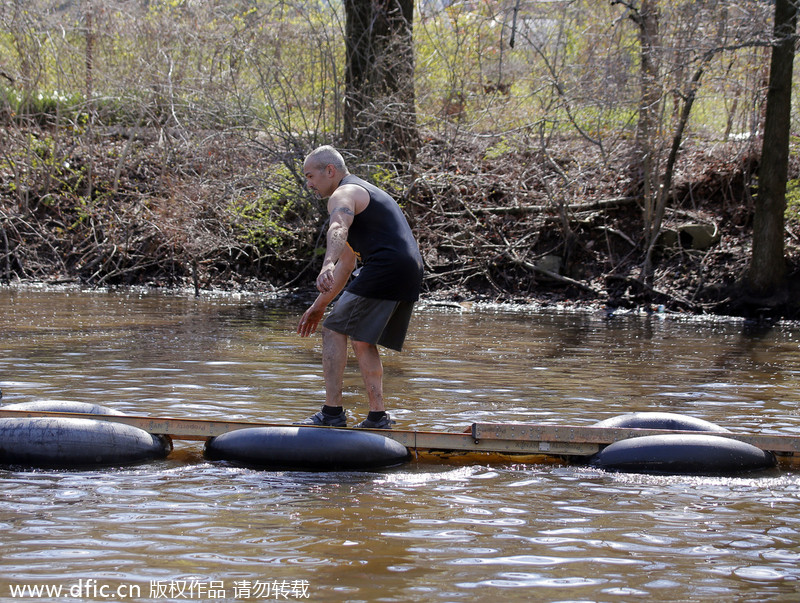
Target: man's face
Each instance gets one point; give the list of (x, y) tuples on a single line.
[(318, 179)]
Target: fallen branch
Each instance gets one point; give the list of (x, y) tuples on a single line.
[(553, 275), (522, 210)]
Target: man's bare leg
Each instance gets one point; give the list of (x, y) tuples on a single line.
[(369, 361), (334, 361)]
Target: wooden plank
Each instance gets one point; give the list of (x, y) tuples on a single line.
[(498, 438), (544, 433), (179, 429), (202, 429), (447, 441)]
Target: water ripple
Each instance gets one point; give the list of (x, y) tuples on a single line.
[(422, 531)]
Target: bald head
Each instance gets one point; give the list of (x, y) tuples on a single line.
[(324, 156), (324, 169)]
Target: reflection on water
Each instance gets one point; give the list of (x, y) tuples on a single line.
[(422, 531)]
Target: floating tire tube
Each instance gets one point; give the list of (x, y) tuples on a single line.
[(306, 449), (660, 420), (684, 454), (63, 406), (72, 442)]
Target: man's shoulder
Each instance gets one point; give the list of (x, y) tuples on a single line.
[(349, 188), (351, 193)]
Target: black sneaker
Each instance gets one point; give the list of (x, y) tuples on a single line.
[(385, 422), (320, 418)]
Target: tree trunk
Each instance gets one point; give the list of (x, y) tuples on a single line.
[(649, 110), (767, 274), (379, 108)]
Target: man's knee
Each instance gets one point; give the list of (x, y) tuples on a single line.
[(329, 335), (360, 347)]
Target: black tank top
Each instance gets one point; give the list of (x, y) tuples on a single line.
[(391, 265)]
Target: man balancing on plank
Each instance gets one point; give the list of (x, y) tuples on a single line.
[(366, 225)]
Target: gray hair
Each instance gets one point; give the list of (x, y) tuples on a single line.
[(326, 155)]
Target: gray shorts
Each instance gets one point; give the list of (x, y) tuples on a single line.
[(375, 321)]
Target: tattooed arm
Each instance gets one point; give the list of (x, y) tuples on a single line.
[(343, 205), (340, 259)]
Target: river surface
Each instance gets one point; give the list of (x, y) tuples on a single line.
[(188, 529)]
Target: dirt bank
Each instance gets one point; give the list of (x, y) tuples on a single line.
[(494, 223)]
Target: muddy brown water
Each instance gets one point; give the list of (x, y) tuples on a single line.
[(188, 529)]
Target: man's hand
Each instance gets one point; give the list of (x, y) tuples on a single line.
[(310, 320), (327, 278)]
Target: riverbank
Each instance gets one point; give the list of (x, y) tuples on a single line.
[(556, 227)]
